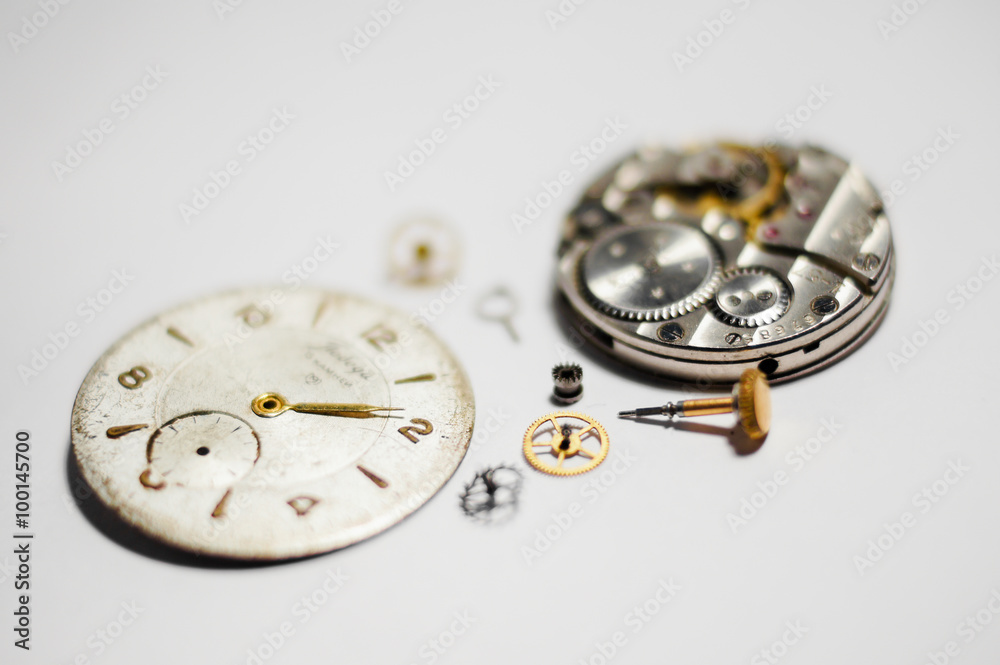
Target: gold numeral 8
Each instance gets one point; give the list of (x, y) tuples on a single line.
[(133, 378)]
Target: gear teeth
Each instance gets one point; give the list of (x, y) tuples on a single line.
[(480, 502), (685, 305), (567, 378), (773, 312), (672, 311), (567, 375), (532, 458)]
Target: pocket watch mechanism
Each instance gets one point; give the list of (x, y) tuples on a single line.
[(703, 263)]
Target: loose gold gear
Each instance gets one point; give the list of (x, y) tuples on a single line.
[(424, 251), (568, 439), (751, 398)]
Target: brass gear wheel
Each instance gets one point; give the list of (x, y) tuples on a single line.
[(752, 208), (694, 180), (567, 441)]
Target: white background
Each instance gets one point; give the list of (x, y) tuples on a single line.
[(663, 518)]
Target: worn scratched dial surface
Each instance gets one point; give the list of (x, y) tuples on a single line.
[(268, 424)]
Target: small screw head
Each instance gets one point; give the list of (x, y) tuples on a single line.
[(670, 332), (823, 305), (866, 262), (733, 339)]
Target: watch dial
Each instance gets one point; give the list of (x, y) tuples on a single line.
[(270, 424)]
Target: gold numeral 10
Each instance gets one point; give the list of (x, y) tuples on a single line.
[(254, 316)]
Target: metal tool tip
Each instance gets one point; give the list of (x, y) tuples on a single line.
[(626, 414)]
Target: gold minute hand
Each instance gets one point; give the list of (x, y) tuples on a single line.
[(270, 405)]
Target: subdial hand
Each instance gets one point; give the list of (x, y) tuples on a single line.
[(269, 405)]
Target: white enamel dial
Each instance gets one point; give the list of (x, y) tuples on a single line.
[(270, 424)]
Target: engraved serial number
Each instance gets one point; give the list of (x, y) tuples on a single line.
[(794, 326)]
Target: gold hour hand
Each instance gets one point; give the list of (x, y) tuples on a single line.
[(270, 405)]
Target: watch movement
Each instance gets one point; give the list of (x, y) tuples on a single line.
[(701, 264)]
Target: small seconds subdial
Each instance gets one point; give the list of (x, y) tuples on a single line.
[(202, 449)]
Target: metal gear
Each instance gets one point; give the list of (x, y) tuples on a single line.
[(732, 195), (567, 442), (744, 182), (424, 251), (491, 497), (751, 297), (567, 378), (650, 273)]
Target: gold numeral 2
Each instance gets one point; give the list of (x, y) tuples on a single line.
[(380, 336), (420, 426)]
